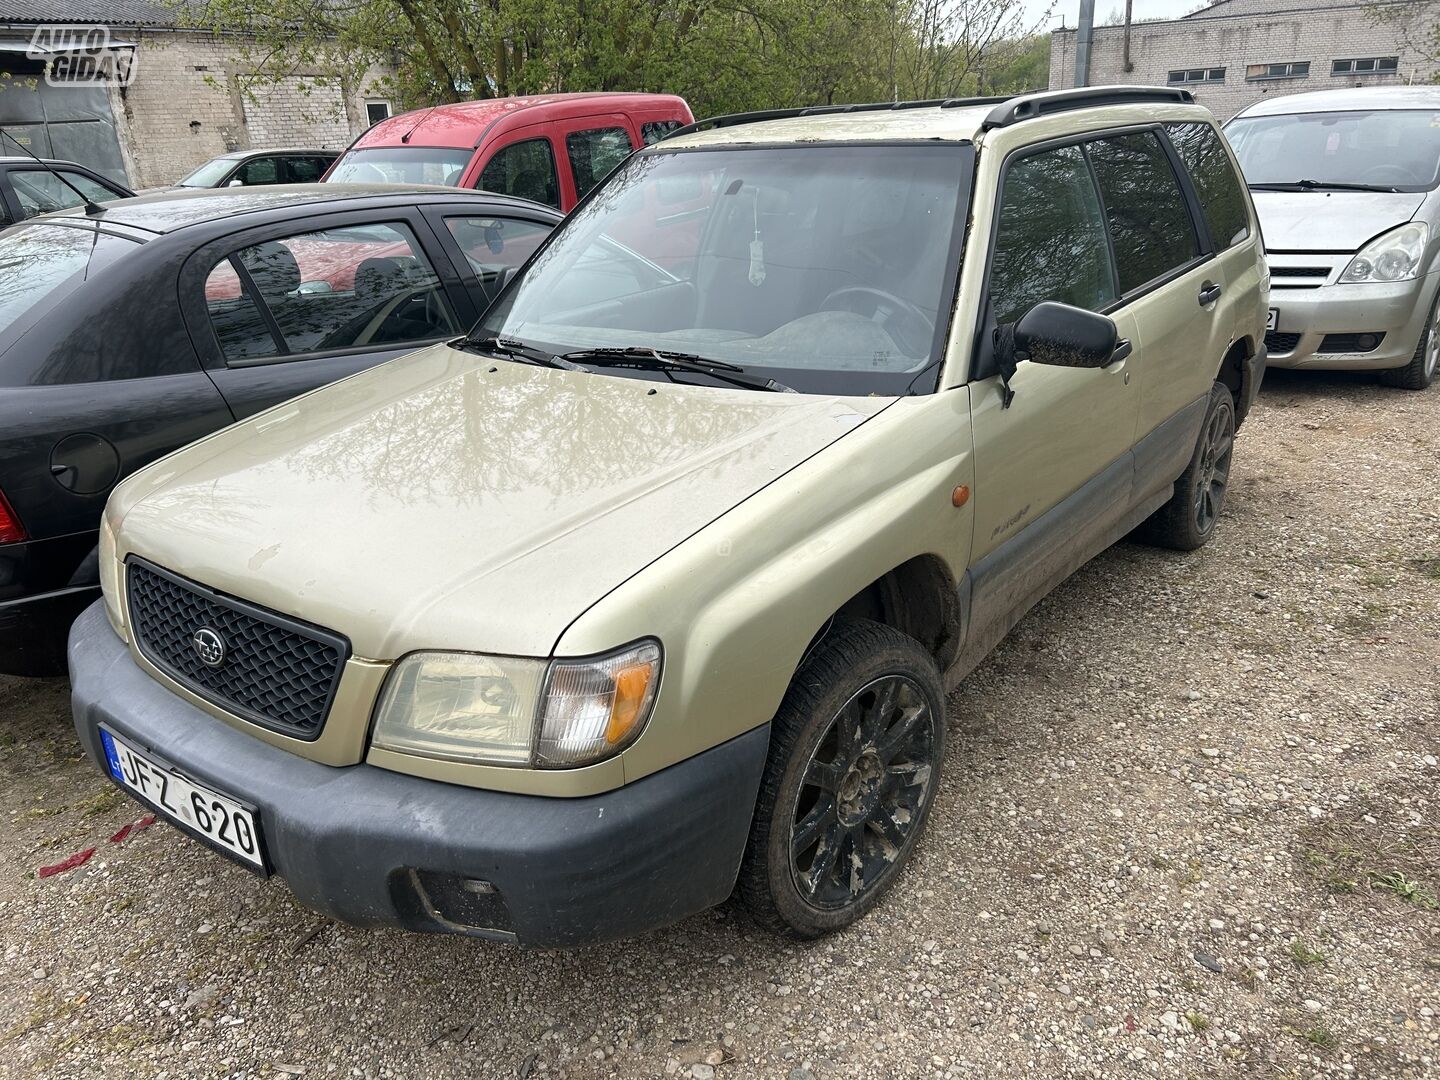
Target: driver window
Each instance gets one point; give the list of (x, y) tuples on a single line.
[(1051, 242), (525, 170), (334, 289)]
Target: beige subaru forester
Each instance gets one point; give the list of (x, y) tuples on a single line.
[(647, 591)]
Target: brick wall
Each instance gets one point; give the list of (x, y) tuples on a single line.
[(1237, 33), (187, 104)]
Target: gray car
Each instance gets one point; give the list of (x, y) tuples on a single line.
[(1344, 182)]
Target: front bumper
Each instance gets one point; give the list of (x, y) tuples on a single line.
[(1397, 310), (372, 847)]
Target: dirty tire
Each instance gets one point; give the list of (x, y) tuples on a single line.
[(1420, 372), (855, 755), (1188, 520)]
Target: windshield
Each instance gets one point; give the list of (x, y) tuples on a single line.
[(1389, 148), (401, 165), (829, 268), (209, 174)]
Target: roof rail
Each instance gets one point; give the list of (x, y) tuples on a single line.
[(732, 119), (1029, 106)]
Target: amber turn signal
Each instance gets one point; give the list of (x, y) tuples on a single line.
[(960, 496)]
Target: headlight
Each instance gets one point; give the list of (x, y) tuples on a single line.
[(1397, 256), (110, 576), (501, 710)]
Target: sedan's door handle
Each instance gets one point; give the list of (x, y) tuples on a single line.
[(1122, 350), (1209, 293)]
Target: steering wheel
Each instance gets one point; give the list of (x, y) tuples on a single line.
[(908, 326), (1388, 173)]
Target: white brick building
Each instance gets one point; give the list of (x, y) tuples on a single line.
[(189, 99), (1235, 52)]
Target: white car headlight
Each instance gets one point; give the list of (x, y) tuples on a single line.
[(1398, 255), (502, 710)]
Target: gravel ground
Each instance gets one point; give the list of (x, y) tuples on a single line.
[(1188, 827)]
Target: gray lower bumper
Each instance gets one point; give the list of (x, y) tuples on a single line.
[(372, 847)]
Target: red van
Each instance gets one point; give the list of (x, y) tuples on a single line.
[(550, 148)]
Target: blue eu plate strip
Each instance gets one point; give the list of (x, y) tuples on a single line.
[(112, 759)]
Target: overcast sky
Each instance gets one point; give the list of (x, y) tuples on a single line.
[(1140, 9)]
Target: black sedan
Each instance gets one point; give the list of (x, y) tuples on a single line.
[(132, 331)]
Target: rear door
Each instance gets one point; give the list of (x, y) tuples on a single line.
[(1165, 275), (280, 310)]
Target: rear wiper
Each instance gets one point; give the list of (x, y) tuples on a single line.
[(638, 356), (511, 349), (1320, 185)]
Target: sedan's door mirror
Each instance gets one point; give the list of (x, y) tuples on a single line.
[(237, 182), (1064, 336)]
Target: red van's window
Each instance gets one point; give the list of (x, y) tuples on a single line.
[(525, 170), (594, 153)]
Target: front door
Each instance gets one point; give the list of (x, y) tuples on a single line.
[(1053, 466)]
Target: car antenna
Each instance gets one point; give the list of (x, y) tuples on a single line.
[(91, 207)]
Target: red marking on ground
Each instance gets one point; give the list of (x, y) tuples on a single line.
[(132, 828), (1130, 1023), (80, 858)]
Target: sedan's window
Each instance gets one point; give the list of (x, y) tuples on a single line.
[(209, 174), (303, 170), (1221, 195), (42, 263), (1149, 219), (327, 290), (594, 154), (1051, 243), (494, 244), (525, 170), (258, 172), (41, 192)]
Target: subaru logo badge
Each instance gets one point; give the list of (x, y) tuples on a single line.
[(209, 646)]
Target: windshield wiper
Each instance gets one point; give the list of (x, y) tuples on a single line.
[(638, 356), (510, 349), (1321, 185)]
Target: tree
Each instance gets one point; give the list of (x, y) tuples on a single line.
[(1417, 33)]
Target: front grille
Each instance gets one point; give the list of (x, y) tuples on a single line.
[(1298, 277), (1280, 344), (1351, 343), (276, 671)]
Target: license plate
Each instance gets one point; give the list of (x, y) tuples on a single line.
[(1272, 320), (216, 819)]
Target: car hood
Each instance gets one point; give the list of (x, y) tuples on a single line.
[(1330, 220), (447, 501)]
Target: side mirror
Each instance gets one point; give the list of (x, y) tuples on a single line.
[(1065, 336), (236, 183)]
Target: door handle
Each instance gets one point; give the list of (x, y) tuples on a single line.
[(1122, 350), (1209, 293)]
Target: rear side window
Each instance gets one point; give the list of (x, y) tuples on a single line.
[(1149, 220), (1051, 242), (594, 154), (1221, 196), (525, 170), (323, 291), (303, 170)]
